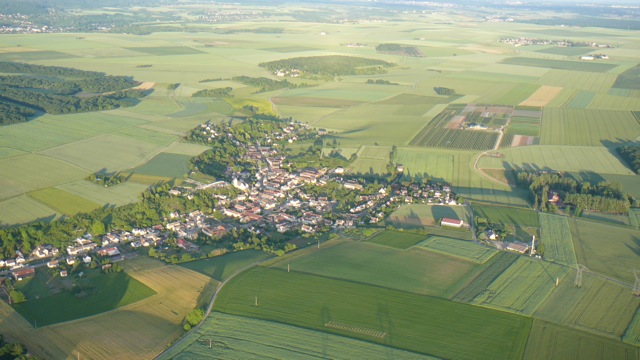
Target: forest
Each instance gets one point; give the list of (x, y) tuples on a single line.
[(265, 85), (329, 66), (631, 154)]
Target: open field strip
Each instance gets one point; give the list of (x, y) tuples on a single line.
[(417, 215), (600, 305), (587, 127), (632, 335), (542, 96), (522, 287), (550, 341), (165, 165), (8, 152), (578, 80), (415, 270), (396, 239), (605, 248), (465, 250), (120, 194), (21, 209), (599, 160), (413, 322), (555, 236), (581, 66), (517, 95), (62, 201), (581, 100), (240, 337)]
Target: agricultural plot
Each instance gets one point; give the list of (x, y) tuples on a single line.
[(506, 215), (587, 127), (453, 330), (239, 337), (221, 267), (550, 341), (186, 149), (606, 249), (496, 266), (632, 335), (465, 250), (166, 50), (418, 215), (566, 51), (634, 218), (146, 135), (581, 100), (371, 159), (396, 239), (560, 64), (600, 305), (120, 194), (555, 236), (63, 202), (21, 209), (542, 96), (414, 271), (610, 218), (611, 102), (578, 80), (588, 159), (522, 287), (165, 165)]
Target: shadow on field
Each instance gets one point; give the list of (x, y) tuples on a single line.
[(441, 211), (612, 146), (636, 248)]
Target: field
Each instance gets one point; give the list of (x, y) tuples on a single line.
[(453, 331), (555, 236), (522, 287), (221, 267), (120, 194), (600, 305), (165, 165), (550, 341), (418, 215), (465, 250), (371, 159), (507, 215), (239, 337), (497, 265), (396, 239), (610, 218), (62, 201), (560, 64), (542, 96), (413, 270), (606, 249), (21, 209), (567, 51), (634, 218), (632, 335)]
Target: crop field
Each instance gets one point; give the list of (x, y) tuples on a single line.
[(518, 94), (239, 337), (465, 250), (581, 100), (632, 335), (555, 235), (496, 266), (418, 215), (550, 341), (600, 305), (506, 215), (634, 218), (166, 50), (62, 201), (396, 239), (413, 270), (165, 165), (618, 219), (453, 331), (542, 96), (120, 194), (587, 127), (610, 102), (21, 209), (560, 64), (525, 129), (150, 136), (221, 267), (313, 102), (606, 249), (588, 159), (522, 287), (368, 165), (186, 149), (566, 51), (578, 80)]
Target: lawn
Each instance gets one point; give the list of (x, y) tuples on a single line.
[(415, 270), (239, 337), (413, 322), (555, 237), (165, 165), (506, 215), (396, 239), (221, 267), (63, 202), (465, 250), (110, 291)]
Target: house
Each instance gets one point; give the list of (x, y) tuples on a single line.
[(351, 185), (451, 222), (53, 264), (112, 251), (186, 245), (519, 248), (71, 260), (339, 170), (22, 274), (587, 57), (400, 168), (87, 259), (64, 273)]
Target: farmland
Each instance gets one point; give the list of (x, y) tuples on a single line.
[(453, 330), (63, 202), (497, 265), (396, 239), (220, 268), (165, 165), (465, 250), (555, 235), (417, 215), (507, 215), (560, 64)]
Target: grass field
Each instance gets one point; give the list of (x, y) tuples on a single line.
[(22, 209), (396, 239), (165, 165), (506, 215), (634, 218), (610, 218), (550, 341), (497, 265), (600, 305), (415, 270), (632, 335), (120, 194), (123, 290), (555, 236), (560, 64), (576, 81), (62, 201), (417, 215), (606, 249), (240, 337), (221, 267), (522, 287), (465, 250), (453, 331)]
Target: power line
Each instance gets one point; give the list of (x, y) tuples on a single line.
[(580, 269)]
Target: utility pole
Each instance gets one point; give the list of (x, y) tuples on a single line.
[(636, 285), (580, 269)]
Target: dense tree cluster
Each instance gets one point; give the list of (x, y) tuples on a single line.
[(107, 179), (606, 197), (219, 92), (389, 47), (265, 84), (631, 154), (444, 91), (381, 82), (329, 66), (12, 351)]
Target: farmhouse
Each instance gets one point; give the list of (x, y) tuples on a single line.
[(22, 274), (451, 222)]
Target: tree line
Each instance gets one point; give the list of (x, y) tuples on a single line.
[(331, 65), (631, 154), (265, 84)]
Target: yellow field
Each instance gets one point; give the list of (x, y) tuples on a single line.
[(542, 96), (138, 331)]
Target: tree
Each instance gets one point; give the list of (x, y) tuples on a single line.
[(194, 317), (17, 296)]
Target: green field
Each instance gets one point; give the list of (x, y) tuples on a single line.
[(166, 50), (607, 249), (239, 337), (610, 218), (550, 341), (497, 265), (522, 287), (415, 270), (465, 250), (453, 331), (567, 51), (396, 239), (109, 291), (63, 202), (506, 215), (634, 218), (120, 194), (560, 64), (21, 209), (165, 165), (555, 236), (632, 335), (419, 215), (600, 305), (221, 267)]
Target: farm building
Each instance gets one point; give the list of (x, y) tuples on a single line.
[(519, 248), (451, 222), (21, 274)]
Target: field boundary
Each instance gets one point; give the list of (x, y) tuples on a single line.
[(355, 329)]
